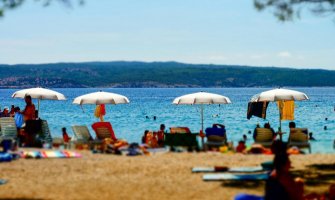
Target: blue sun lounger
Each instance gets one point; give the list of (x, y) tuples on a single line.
[(226, 169)]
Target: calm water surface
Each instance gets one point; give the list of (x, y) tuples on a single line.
[(129, 121)]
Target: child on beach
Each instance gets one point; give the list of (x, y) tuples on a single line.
[(240, 147), (66, 137)]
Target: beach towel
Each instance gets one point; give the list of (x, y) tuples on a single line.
[(257, 109), (235, 177), (287, 109), (50, 154), (227, 169)]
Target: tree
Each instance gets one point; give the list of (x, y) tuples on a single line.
[(286, 10), (12, 4)]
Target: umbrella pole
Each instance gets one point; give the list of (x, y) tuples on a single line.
[(280, 107), (202, 124), (38, 108), (202, 117)]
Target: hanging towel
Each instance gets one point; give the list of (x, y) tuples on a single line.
[(97, 111), (257, 109), (287, 109), (100, 111)]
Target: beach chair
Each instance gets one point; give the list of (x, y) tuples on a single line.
[(45, 135), (8, 128), (264, 136), (104, 130), (299, 137), (215, 141), (82, 136), (181, 136), (180, 130)]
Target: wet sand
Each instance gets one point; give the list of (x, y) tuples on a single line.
[(158, 176)]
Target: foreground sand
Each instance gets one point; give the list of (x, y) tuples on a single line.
[(159, 176)]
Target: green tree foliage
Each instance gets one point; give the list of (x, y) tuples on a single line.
[(158, 74), (286, 10), (6, 5)]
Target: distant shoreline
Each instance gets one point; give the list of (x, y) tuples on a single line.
[(121, 74)]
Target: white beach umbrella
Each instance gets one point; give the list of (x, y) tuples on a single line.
[(99, 98), (201, 98), (40, 94), (279, 95)]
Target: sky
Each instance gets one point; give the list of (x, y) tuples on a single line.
[(192, 31)]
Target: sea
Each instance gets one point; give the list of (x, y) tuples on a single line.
[(129, 121)]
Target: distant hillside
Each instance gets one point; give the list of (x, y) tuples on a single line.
[(158, 74)]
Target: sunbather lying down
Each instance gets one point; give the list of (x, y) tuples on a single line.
[(281, 185)]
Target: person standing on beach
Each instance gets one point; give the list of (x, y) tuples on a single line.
[(12, 111), (29, 111), (160, 135), (281, 184)]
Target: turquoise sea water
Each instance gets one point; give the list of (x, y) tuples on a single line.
[(129, 121)]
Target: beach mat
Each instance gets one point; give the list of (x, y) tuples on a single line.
[(50, 154), (235, 177), (227, 169)]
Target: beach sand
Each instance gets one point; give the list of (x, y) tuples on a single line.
[(158, 176)]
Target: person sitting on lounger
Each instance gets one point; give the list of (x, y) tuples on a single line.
[(291, 125), (266, 125), (255, 131), (217, 130), (160, 135)]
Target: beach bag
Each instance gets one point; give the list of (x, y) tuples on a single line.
[(5, 157)]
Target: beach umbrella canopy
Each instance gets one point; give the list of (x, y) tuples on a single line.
[(201, 98), (40, 94), (279, 95), (99, 98)]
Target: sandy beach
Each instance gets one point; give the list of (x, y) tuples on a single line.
[(158, 176)]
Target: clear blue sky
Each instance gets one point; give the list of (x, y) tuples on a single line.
[(192, 31)]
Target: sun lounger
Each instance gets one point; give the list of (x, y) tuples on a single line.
[(227, 169), (82, 136), (45, 135), (215, 141), (8, 128), (299, 138), (180, 130), (181, 136), (235, 177), (264, 136), (104, 130)]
